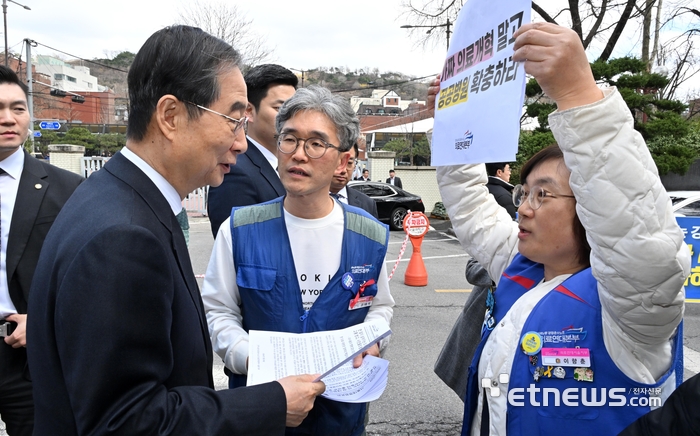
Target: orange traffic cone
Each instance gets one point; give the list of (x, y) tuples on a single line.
[(416, 274)]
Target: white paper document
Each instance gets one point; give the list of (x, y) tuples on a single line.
[(273, 355)]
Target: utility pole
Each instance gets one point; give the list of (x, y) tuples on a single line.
[(431, 28), (30, 81), (30, 86), (4, 15)]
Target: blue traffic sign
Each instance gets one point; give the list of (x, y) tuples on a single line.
[(50, 125), (37, 134)]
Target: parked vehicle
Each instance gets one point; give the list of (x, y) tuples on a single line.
[(392, 203), (685, 203)]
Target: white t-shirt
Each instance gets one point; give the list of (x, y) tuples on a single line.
[(314, 244), (222, 300)]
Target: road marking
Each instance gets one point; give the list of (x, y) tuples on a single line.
[(453, 290), (431, 257), (424, 241), (692, 300), (691, 359)]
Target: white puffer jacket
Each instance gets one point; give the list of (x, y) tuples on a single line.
[(637, 251)]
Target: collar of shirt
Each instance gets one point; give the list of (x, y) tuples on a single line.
[(270, 156), (161, 183), (14, 164), (343, 195)]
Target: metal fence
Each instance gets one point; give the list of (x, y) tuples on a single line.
[(195, 202), (91, 164)]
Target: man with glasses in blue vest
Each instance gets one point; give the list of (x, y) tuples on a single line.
[(304, 262)]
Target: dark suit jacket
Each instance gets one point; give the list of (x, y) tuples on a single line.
[(503, 193), (119, 342), (42, 192), (251, 181), (397, 182), (363, 201)]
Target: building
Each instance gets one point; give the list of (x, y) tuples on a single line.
[(385, 109), (67, 77), (84, 100), (382, 102)]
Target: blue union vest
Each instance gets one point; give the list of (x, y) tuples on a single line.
[(567, 317), (271, 297)]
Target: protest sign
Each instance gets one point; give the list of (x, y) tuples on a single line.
[(478, 110), (691, 231)]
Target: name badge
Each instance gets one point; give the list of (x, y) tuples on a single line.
[(573, 357), (361, 302)]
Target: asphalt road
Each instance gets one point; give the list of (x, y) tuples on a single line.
[(416, 402)]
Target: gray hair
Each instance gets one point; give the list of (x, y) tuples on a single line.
[(335, 107)]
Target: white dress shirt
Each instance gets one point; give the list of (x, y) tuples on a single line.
[(270, 156), (161, 183), (343, 195), (9, 184)]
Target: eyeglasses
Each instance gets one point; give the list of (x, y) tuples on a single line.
[(315, 148), (237, 124), (535, 196)]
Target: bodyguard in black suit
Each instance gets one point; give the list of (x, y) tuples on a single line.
[(119, 340), (393, 180), (499, 186), (347, 194), (32, 193), (254, 179), (363, 201)]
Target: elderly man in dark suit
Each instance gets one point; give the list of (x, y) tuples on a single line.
[(119, 340), (254, 179), (32, 193), (348, 195)]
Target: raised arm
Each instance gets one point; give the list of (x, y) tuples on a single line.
[(637, 251)]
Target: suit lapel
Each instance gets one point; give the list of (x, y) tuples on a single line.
[(123, 169), (266, 170), (33, 184)]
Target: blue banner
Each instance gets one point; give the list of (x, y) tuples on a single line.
[(691, 230)]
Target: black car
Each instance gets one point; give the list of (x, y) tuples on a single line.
[(392, 202)]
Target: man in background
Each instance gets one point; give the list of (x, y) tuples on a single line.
[(365, 175), (32, 193), (348, 195), (499, 186), (254, 179), (393, 180), (119, 341)]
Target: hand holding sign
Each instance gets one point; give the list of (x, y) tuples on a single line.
[(555, 56), (433, 91)]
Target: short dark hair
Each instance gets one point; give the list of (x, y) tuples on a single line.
[(179, 60), (553, 152), (392, 171), (260, 78), (9, 76), (333, 106), (365, 170), (492, 168)]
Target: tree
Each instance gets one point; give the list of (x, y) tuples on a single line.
[(418, 151), (658, 119), (109, 143), (600, 23), (79, 136), (225, 21), (601, 20)]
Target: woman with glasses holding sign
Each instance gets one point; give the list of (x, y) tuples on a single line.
[(586, 316)]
